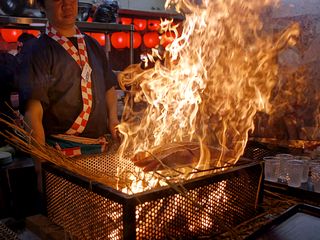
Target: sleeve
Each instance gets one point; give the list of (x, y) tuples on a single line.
[(34, 76)]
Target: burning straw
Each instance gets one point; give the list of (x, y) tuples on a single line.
[(26, 143), (207, 87), (126, 180)]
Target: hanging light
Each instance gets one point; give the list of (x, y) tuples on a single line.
[(119, 40), (10, 35), (100, 37), (137, 39), (167, 38), (139, 24), (151, 39), (35, 33), (153, 25), (126, 21)]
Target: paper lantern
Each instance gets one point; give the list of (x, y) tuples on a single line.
[(136, 40), (35, 33), (89, 19), (126, 21), (139, 24), (153, 25), (88, 33), (10, 35), (167, 38), (119, 40), (151, 39), (100, 37)]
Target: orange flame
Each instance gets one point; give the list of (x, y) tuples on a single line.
[(214, 79)]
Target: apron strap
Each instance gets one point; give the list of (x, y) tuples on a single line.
[(81, 58)]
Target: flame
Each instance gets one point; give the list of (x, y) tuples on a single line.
[(141, 181), (209, 84)]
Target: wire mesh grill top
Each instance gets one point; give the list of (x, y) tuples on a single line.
[(108, 164), (257, 151)]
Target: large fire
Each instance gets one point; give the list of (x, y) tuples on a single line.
[(209, 84)]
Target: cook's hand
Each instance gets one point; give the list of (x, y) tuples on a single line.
[(113, 130)]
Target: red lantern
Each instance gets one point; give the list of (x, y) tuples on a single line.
[(89, 19), (119, 39), (100, 37), (126, 21), (178, 27), (10, 35), (35, 33), (153, 25), (136, 40), (167, 38), (151, 39), (139, 24)]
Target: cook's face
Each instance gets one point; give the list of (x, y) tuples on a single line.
[(61, 13)]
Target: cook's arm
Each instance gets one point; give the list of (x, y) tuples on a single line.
[(33, 117)]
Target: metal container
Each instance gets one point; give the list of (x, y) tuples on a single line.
[(204, 206)]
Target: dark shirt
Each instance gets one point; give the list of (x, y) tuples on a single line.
[(7, 66), (24, 50), (51, 76)]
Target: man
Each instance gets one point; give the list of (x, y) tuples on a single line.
[(23, 40), (67, 85), (7, 66)]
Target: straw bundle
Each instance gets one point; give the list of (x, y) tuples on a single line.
[(22, 140)]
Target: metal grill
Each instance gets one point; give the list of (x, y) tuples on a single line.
[(208, 205), (79, 210), (107, 164), (205, 210), (258, 152), (6, 233)]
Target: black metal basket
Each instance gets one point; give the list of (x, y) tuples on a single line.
[(6, 233), (256, 150), (208, 205)]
